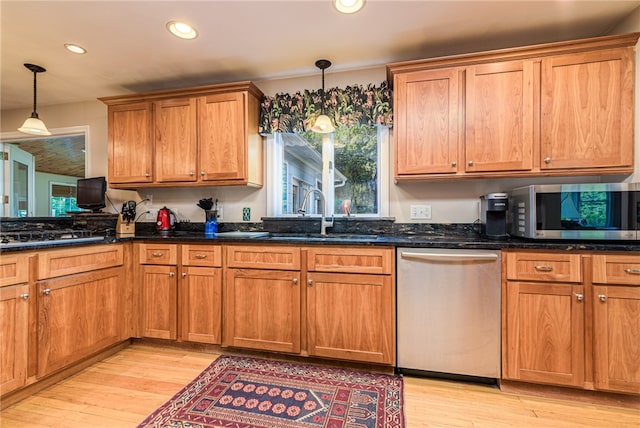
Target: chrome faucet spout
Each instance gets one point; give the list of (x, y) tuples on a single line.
[(324, 223)]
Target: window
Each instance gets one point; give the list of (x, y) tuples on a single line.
[(353, 159), (63, 199)]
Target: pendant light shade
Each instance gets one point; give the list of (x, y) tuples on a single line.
[(33, 125), (323, 124)]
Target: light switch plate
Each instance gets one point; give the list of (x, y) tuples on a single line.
[(420, 212)]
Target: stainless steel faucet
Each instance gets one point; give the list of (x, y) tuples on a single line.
[(323, 222)]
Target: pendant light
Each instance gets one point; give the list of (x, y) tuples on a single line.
[(323, 124), (33, 125)]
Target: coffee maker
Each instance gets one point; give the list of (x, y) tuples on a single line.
[(493, 215)]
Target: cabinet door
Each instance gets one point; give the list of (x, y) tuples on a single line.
[(544, 333), (262, 309), (351, 317), (175, 140), (616, 325), (78, 315), (222, 137), (587, 110), (201, 304), (499, 117), (426, 122), (130, 144), (14, 335), (159, 302)]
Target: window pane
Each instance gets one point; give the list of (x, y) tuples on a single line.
[(354, 164)]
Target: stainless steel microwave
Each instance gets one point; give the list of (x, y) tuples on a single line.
[(576, 211)]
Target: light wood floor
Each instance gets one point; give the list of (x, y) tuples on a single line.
[(123, 389)]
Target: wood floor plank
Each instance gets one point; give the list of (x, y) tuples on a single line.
[(123, 389)]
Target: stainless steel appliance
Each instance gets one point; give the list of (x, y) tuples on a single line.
[(30, 238), (493, 215), (448, 314), (576, 211)]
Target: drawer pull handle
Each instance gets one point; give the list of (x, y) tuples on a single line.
[(602, 297), (580, 297), (544, 268), (157, 254), (46, 291), (632, 271), (201, 256), (24, 296)]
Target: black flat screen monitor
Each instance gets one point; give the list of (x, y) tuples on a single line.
[(90, 193)]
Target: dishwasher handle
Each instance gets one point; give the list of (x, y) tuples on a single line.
[(449, 256)]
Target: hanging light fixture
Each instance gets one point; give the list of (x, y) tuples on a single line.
[(33, 125), (323, 124)]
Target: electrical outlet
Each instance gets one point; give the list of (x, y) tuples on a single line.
[(220, 212), (421, 212), (152, 214), (149, 200)]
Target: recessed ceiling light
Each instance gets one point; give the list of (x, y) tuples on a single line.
[(348, 6), (182, 30), (72, 47)]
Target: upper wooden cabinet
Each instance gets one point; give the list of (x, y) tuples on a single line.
[(199, 136), (562, 108)]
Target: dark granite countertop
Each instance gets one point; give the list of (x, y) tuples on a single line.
[(374, 233)]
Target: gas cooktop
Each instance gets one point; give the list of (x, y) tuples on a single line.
[(28, 238)]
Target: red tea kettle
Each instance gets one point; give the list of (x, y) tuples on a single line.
[(166, 219)]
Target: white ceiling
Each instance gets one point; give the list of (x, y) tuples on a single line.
[(129, 49)]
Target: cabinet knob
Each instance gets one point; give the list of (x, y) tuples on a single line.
[(470, 163), (602, 297), (310, 281), (46, 291), (544, 268), (184, 275), (454, 163), (547, 160), (24, 296), (201, 256), (580, 297), (191, 173), (171, 274), (202, 173), (147, 175), (632, 271), (157, 254), (295, 280)]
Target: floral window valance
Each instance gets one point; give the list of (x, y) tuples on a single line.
[(354, 105)]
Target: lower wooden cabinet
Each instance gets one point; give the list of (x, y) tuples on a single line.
[(351, 317), (14, 336), (579, 326), (159, 301), (200, 302), (78, 315), (262, 309), (545, 333)]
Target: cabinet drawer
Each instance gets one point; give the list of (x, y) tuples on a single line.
[(546, 267), (350, 260), (158, 254), (14, 269), (616, 269), (202, 255), (56, 263), (263, 257)]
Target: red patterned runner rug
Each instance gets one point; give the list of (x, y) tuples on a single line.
[(254, 393)]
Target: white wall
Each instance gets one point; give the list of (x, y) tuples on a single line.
[(454, 201)]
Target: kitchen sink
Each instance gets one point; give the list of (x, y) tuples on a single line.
[(328, 237)]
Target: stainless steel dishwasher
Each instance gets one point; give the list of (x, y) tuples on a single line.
[(448, 316)]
